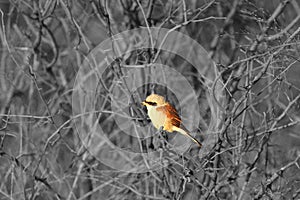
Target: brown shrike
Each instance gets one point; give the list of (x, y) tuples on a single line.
[(163, 114)]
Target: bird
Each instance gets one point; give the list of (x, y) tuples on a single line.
[(163, 115)]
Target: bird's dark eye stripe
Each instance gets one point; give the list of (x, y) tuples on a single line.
[(151, 103)]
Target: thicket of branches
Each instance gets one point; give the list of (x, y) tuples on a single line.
[(254, 152)]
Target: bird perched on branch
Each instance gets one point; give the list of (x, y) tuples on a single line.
[(163, 114)]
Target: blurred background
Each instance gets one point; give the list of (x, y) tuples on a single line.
[(248, 101)]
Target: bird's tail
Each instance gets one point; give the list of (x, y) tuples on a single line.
[(186, 133)]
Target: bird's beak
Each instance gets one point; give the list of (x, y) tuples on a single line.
[(144, 103)]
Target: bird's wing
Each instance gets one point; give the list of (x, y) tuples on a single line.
[(171, 113)]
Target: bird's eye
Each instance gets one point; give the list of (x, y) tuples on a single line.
[(151, 103)]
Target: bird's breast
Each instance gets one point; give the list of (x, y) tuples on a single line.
[(157, 118)]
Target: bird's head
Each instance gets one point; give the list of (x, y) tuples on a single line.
[(154, 100)]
